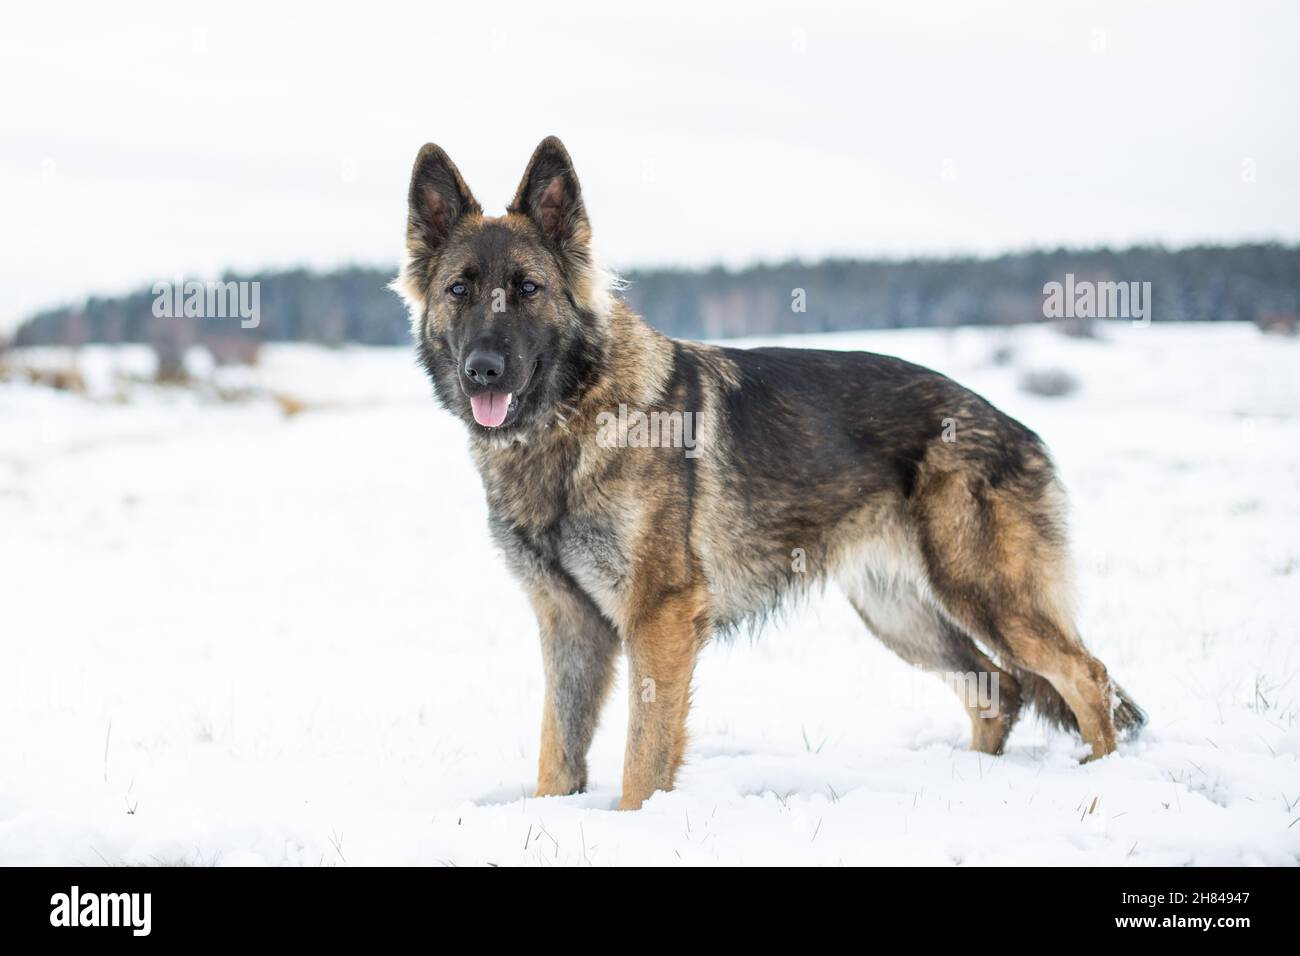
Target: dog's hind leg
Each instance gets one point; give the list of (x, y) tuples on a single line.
[(579, 649), (915, 630), (996, 560)]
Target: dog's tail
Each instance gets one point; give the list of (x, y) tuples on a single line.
[(1129, 717), (1051, 706)]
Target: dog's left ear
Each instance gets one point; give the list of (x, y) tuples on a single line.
[(550, 196)]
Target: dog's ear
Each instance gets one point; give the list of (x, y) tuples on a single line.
[(437, 201), (550, 196)]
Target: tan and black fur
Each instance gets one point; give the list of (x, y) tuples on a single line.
[(940, 516)]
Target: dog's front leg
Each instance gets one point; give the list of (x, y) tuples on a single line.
[(578, 649), (662, 642)]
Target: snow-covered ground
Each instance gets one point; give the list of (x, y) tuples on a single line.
[(238, 637)]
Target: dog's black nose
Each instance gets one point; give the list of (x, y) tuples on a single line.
[(484, 367)]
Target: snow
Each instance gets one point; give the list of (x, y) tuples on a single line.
[(236, 637)]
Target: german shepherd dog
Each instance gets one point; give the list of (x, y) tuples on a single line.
[(940, 516)]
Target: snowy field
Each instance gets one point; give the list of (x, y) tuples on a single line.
[(233, 636)]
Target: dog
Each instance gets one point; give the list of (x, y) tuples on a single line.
[(940, 516)]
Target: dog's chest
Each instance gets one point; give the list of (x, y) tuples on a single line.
[(588, 551), (592, 552)]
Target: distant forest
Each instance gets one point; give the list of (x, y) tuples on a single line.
[(1258, 283)]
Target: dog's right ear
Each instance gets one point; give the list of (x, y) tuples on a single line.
[(438, 200)]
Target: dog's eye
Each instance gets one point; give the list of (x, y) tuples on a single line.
[(528, 288), (458, 289)]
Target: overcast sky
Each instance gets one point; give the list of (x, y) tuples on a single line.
[(189, 138)]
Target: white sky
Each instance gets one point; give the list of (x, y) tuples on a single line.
[(188, 138)]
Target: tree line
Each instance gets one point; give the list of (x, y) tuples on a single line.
[(1252, 282)]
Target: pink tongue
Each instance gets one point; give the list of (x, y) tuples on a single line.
[(490, 408)]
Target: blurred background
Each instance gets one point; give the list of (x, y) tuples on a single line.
[(909, 164)]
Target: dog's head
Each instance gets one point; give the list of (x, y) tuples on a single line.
[(508, 312)]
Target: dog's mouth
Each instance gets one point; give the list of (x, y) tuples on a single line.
[(492, 408)]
